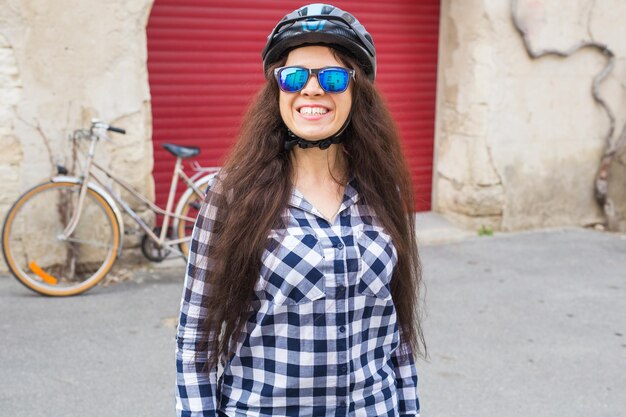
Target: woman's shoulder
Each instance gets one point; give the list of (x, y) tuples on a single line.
[(217, 189), (215, 182), (213, 179)]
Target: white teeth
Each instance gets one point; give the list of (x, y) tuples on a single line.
[(309, 111)]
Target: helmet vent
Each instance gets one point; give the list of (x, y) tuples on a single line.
[(321, 24), (348, 18)]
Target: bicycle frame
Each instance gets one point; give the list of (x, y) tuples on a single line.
[(89, 173), (167, 213)]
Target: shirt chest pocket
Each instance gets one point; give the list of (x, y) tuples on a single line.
[(377, 259), (291, 270)]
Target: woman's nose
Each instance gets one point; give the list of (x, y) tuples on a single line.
[(312, 87)]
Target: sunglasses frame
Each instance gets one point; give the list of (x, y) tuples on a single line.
[(314, 71)]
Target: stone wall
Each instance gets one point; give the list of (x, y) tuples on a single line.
[(519, 140), (617, 191), (62, 64)]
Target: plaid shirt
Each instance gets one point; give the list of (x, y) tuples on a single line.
[(323, 340)]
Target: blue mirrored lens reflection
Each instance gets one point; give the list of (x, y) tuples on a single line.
[(334, 80), (293, 79)]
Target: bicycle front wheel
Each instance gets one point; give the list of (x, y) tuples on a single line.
[(42, 257)]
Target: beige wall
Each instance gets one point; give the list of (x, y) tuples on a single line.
[(61, 64), (519, 141)]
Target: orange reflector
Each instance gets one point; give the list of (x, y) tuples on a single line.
[(47, 278)]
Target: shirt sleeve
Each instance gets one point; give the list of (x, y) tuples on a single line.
[(406, 382), (196, 393)]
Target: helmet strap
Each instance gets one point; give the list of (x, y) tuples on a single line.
[(292, 140)]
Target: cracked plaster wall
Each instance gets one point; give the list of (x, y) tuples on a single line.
[(519, 141), (62, 64), (11, 155)]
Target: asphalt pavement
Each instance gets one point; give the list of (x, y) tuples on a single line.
[(522, 324)]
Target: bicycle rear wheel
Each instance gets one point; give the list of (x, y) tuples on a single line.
[(184, 227), (37, 251)]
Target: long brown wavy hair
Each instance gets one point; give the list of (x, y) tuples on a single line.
[(257, 187)]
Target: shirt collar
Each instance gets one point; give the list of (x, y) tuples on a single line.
[(350, 197)]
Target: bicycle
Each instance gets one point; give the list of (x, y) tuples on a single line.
[(62, 237)]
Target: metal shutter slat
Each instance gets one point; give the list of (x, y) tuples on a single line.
[(203, 74)]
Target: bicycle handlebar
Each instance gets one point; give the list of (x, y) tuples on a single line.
[(116, 130)]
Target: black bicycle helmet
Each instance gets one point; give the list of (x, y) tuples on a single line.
[(321, 24)]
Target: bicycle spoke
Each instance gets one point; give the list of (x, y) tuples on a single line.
[(87, 242)]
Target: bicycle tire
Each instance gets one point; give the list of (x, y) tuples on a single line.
[(189, 208), (33, 244)]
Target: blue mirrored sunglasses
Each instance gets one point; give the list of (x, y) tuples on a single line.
[(331, 79)]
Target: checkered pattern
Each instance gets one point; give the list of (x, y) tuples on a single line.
[(323, 340)]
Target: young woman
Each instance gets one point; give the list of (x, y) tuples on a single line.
[(303, 276)]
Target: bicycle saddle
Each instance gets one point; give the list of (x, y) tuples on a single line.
[(181, 151)]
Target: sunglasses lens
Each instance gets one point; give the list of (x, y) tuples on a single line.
[(292, 79), (334, 80)]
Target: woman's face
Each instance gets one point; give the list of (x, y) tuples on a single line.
[(324, 113)]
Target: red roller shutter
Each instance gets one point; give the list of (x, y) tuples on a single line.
[(204, 66)]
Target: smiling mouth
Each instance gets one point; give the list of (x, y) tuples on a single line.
[(312, 111)]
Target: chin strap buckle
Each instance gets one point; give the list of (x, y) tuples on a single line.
[(291, 141), (325, 144)]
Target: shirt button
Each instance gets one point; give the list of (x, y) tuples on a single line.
[(343, 369), (340, 246), (341, 289), (343, 403), (342, 329)]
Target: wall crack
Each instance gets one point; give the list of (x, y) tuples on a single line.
[(602, 175)]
